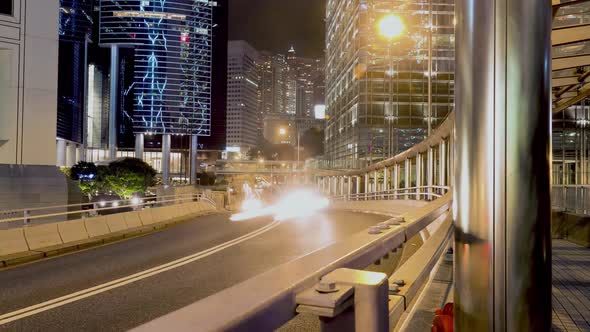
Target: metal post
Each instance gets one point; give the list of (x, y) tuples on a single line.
[(430, 23), (407, 177), (442, 163), (113, 102), (395, 180), (430, 172), (139, 146), (349, 187), (502, 187), (194, 162), (366, 184), (166, 142), (386, 179), (376, 182), (342, 192), (418, 175)]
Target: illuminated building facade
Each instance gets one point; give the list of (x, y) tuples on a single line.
[(377, 90), (172, 51)]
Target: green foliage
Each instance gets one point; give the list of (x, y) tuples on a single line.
[(129, 176), (124, 177)]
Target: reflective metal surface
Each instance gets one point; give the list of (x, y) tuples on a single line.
[(502, 188), (113, 102), (166, 142)]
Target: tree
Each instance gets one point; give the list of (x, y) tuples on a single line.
[(129, 176)]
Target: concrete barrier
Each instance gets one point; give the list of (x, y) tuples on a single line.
[(42, 236), (96, 226), (146, 217), (132, 219), (12, 241), (72, 231), (116, 223), (195, 208)]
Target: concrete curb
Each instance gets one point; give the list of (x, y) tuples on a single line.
[(28, 256)]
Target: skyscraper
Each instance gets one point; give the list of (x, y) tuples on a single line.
[(75, 28), (172, 69), (382, 95), (243, 83)]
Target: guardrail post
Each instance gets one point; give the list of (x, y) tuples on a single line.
[(367, 186), (386, 184), (395, 180), (371, 301), (26, 215), (430, 172)]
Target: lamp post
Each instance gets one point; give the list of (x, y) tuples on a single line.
[(390, 28)]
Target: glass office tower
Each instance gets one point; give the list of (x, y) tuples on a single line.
[(382, 96), (172, 43)]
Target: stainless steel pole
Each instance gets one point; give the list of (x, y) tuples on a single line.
[(430, 67), (502, 187), (139, 145)]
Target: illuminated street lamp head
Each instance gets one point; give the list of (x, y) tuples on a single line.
[(391, 26), (282, 131)]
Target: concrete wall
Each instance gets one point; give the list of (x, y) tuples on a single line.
[(28, 83)]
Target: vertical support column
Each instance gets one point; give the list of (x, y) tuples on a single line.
[(442, 163), (502, 176), (342, 191), (166, 142), (407, 177), (61, 153), (139, 144), (386, 179), (349, 187), (358, 185), (430, 171), (376, 181), (113, 102), (194, 162), (71, 156), (395, 180), (367, 180), (418, 175)]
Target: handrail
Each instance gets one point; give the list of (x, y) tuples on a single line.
[(441, 133), (26, 218), (267, 301), (418, 192)]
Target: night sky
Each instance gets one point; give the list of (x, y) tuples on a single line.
[(274, 25)]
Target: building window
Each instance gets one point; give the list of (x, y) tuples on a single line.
[(6, 7)]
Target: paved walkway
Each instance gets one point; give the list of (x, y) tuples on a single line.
[(571, 287)]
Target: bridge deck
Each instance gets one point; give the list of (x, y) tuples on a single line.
[(571, 291), (571, 287)]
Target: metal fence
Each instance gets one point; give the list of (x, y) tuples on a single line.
[(571, 198)]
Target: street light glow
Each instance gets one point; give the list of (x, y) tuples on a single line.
[(282, 131), (391, 26)]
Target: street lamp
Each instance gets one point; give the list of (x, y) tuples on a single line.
[(391, 26)]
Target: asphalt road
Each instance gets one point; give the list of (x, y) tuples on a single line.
[(122, 285)]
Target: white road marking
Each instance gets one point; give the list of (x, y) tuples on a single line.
[(77, 296)]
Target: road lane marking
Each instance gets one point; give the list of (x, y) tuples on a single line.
[(79, 295)]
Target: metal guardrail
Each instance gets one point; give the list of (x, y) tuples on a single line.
[(571, 198), (28, 216), (268, 301), (428, 193)]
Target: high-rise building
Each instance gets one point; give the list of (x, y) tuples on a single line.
[(28, 79), (171, 45), (243, 82), (381, 95), (274, 72), (309, 76)]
